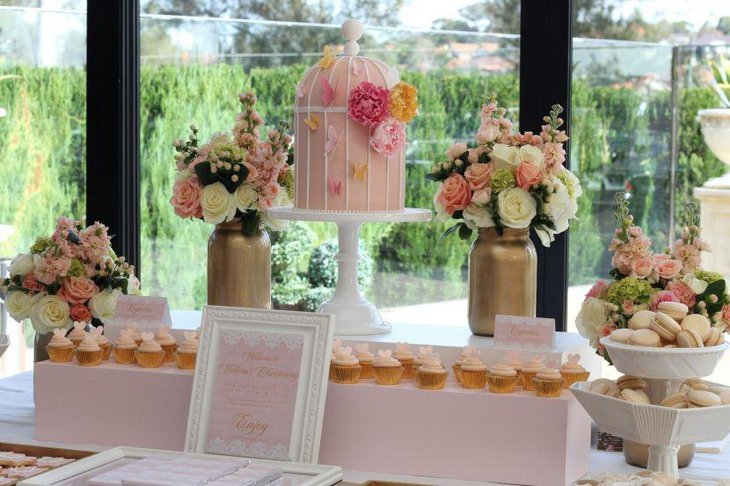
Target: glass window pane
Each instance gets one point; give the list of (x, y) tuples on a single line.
[(196, 59), (42, 133)]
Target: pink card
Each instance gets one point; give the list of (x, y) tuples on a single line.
[(519, 332), (255, 392), (142, 310)]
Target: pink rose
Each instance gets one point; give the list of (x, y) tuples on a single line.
[(389, 138), (662, 296), (32, 284), (627, 307), (186, 198), (81, 313), (368, 103), (527, 175), (77, 290), (642, 267), (455, 194), (478, 175), (598, 290), (683, 292), (668, 268), (726, 312), (621, 261), (607, 329)]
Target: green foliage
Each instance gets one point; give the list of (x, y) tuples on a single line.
[(323, 266)]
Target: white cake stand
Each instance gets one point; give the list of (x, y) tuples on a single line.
[(354, 314)]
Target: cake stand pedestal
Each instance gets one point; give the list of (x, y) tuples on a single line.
[(354, 314)]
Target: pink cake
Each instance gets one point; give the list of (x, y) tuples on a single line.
[(350, 122)]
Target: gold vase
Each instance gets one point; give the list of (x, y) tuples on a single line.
[(502, 277), (239, 267), (638, 454)]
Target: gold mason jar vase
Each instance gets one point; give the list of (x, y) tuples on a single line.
[(502, 277), (239, 267)]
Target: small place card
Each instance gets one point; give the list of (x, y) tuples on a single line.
[(520, 332), (144, 311)]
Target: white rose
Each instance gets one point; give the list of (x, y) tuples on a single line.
[(218, 204), (21, 265), (19, 304), (573, 184), (104, 304), (478, 216), (455, 151), (698, 286), (133, 285), (516, 208), (441, 214), (559, 207), (545, 234), (282, 199), (505, 156), (50, 312), (482, 196), (592, 317), (531, 155), (245, 197)]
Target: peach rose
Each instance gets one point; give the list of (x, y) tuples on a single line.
[(683, 292), (642, 267), (527, 175), (77, 290), (668, 268), (479, 175), (31, 283), (455, 193), (81, 313), (186, 198)]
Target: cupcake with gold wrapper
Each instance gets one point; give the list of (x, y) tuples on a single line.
[(88, 353), (124, 347), (431, 374), (502, 378), (407, 359), (149, 354), (78, 333), (102, 341), (167, 342), (513, 359), (572, 371), (530, 370), (467, 352), (365, 357), (473, 373), (548, 383), (60, 349), (424, 352), (336, 344), (135, 333), (187, 353), (346, 366), (388, 370)]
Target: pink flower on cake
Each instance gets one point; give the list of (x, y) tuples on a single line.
[(77, 290), (368, 103), (598, 290), (479, 176), (662, 296), (186, 198), (455, 194), (666, 267), (527, 175), (683, 292), (389, 138), (81, 313)]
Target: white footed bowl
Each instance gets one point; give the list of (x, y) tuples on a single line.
[(664, 363)]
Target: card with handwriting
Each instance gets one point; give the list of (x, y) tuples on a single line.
[(519, 332), (144, 311)]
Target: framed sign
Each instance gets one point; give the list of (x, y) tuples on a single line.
[(260, 384), (147, 312), (518, 332)]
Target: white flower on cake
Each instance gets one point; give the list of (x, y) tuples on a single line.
[(20, 304), (505, 156), (103, 304), (516, 208), (217, 203), (21, 265), (50, 312)]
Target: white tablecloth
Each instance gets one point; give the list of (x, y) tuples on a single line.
[(17, 425)]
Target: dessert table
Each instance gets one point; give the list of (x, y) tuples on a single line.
[(17, 426)]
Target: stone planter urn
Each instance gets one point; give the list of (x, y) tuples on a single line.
[(715, 124)]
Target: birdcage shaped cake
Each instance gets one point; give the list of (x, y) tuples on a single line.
[(350, 124)]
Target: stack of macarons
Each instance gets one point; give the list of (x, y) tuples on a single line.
[(693, 393), (670, 326)]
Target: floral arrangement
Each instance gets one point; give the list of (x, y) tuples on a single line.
[(73, 275), (643, 279), (507, 180), (235, 175), (386, 112)]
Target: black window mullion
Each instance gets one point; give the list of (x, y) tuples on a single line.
[(546, 46), (112, 129)]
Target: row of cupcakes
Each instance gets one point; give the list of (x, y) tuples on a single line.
[(132, 346), (389, 368)]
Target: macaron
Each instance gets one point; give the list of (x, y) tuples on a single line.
[(724, 397), (645, 337), (715, 338), (694, 384), (635, 396), (641, 320), (699, 323), (677, 400), (631, 383), (675, 310), (702, 398), (622, 335), (604, 386), (689, 338), (666, 326)]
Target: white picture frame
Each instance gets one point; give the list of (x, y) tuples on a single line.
[(313, 334), (72, 474)]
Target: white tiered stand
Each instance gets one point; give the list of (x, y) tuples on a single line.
[(354, 314)]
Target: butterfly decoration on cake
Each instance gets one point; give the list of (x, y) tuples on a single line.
[(328, 91), (335, 187), (328, 57), (333, 138), (312, 122), (360, 172)]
